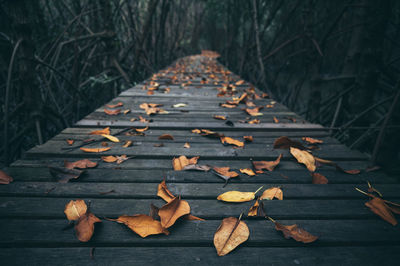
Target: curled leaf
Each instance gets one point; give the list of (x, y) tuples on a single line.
[(119, 104), (75, 209), (187, 145), (127, 144), (318, 178), (271, 193), (166, 136), (197, 167), (247, 171), (182, 161), (304, 157), (95, 150), (379, 207), (172, 211), (285, 143), (142, 224), (164, 193), (63, 175), (112, 112), (111, 138), (312, 141), (219, 117), (231, 233), (269, 165), (101, 131), (248, 138), (70, 141), (254, 111), (82, 164), (109, 159), (224, 173), (295, 232), (179, 105)]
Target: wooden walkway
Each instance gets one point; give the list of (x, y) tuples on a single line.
[(32, 220)]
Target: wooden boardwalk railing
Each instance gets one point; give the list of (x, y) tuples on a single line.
[(33, 225)]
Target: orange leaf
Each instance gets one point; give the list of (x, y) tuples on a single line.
[(304, 157), (180, 163), (4, 178), (312, 141), (94, 149), (247, 171), (101, 132), (142, 224), (82, 164), (328, 162), (70, 141), (164, 193), (271, 193), (269, 165), (295, 232), (187, 145), (141, 129), (220, 117), (109, 159), (248, 138), (240, 82), (319, 179), (254, 111), (276, 120), (172, 211), (75, 209), (379, 207), (224, 173), (166, 136), (254, 121), (127, 144), (197, 131), (231, 233), (112, 112), (232, 141), (119, 104), (254, 209)]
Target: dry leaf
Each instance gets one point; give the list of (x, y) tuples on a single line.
[(228, 140), (82, 164), (237, 196), (112, 112), (85, 226), (158, 145), (180, 163), (166, 136), (101, 132), (254, 209), (379, 207), (304, 157), (70, 141), (312, 141), (328, 162), (254, 121), (271, 193), (127, 144), (141, 129), (248, 138), (179, 105), (254, 111), (269, 165), (164, 193), (318, 178), (111, 138), (109, 159), (224, 173), (172, 211), (126, 111), (197, 167), (295, 232), (119, 104), (285, 143), (276, 120), (63, 175), (142, 224), (94, 149), (219, 117), (231, 233), (5, 178), (190, 217), (240, 82), (197, 131), (187, 145), (75, 209), (247, 171)]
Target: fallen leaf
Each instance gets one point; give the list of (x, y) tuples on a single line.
[(228, 105), (254, 121), (101, 132), (254, 111), (318, 178), (228, 140), (312, 141), (126, 111), (119, 104), (253, 211), (96, 150), (187, 145), (112, 112), (209, 133), (295, 232), (141, 129), (70, 141), (237, 196), (109, 159), (166, 136), (247, 171), (328, 162), (142, 224), (75, 209), (5, 178), (172, 211), (63, 175), (240, 82), (231, 233), (111, 138), (104, 144), (248, 138), (197, 131), (219, 117), (164, 193), (250, 104), (82, 164), (224, 173), (85, 226), (127, 144), (180, 162), (285, 143), (190, 217), (379, 207), (271, 193), (197, 167), (304, 157), (276, 121), (179, 105), (269, 165), (158, 145)]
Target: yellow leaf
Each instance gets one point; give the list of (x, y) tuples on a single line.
[(271, 193), (96, 150), (237, 196), (304, 157), (111, 138)]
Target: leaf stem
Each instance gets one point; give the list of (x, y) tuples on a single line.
[(365, 193), (269, 218), (240, 217), (258, 190)]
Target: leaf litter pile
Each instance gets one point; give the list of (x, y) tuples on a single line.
[(232, 231)]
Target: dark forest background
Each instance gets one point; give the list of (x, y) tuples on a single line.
[(335, 62)]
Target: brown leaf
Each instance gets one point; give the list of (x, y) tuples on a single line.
[(328, 162), (271, 193), (196, 131), (141, 129), (240, 82), (126, 111), (119, 104), (85, 226), (63, 175), (247, 171), (166, 136), (312, 141), (318, 178), (295, 232), (276, 121), (110, 138), (164, 193), (109, 159), (197, 167), (112, 112), (226, 105), (248, 138), (190, 217), (172, 211), (127, 144), (187, 145), (180, 163), (82, 164), (75, 209), (101, 131), (142, 224), (70, 141), (237, 196), (95, 150), (285, 143), (269, 165), (254, 111), (224, 173), (231, 233), (219, 117), (254, 209), (379, 207), (209, 133), (232, 141), (5, 178), (304, 157)]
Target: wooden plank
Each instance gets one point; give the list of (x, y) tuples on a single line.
[(187, 191)]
